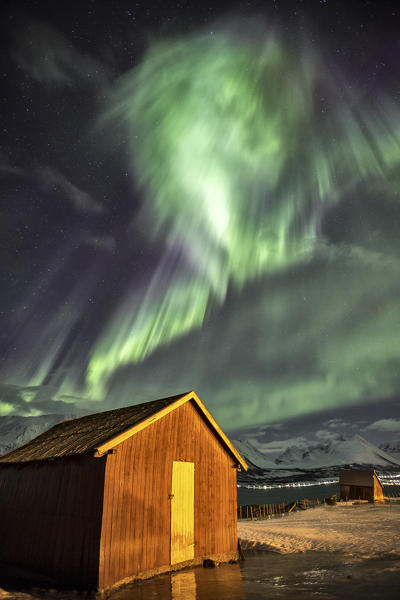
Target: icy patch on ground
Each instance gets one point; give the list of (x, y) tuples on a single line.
[(366, 529)]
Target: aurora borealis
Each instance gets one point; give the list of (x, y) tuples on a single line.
[(236, 178), (221, 215)]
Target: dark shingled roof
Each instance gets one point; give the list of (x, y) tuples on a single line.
[(84, 435)]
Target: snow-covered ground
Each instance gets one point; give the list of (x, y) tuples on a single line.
[(363, 529)]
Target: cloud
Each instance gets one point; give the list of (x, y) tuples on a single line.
[(82, 201), (323, 434), (279, 445), (385, 425), (273, 426), (52, 179), (335, 423), (35, 400), (49, 58), (354, 254), (282, 445)]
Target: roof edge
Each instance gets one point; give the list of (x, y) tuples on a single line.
[(114, 441), (240, 460)]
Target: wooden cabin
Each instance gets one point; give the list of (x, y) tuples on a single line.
[(122, 494), (357, 484)]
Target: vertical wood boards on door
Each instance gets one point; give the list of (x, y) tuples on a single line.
[(182, 512)]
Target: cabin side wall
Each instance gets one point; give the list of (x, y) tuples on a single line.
[(378, 490), (357, 492), (136, 515), (50, 518)]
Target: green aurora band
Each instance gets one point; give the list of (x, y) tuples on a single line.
[(237, 165)]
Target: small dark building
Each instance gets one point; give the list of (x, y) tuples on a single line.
[(125, 493), (357, 484)]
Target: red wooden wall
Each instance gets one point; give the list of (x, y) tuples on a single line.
[(50, 517), (136, 514)]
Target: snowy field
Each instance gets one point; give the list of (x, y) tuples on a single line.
[(363, 529)]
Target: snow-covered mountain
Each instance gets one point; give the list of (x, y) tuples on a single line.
[(336, 452), (250, 453), (392, 448), (16, 430), (333, 453)]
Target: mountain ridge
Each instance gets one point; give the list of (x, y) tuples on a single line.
[(337, 452), (16, 430), (392, 448)]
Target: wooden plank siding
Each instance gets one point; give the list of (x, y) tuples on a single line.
[(50, 517), (378, 490), (136, 526)]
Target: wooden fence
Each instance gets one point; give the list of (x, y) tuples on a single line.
[(267, 511), (388, 493)]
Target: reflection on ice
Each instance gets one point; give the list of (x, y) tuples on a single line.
[(224, 583), (183, 586), (268, 576)]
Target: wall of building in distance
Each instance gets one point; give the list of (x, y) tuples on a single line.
[(378, 490), (356, 492)]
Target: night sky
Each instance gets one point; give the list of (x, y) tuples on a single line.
[(201, 195)]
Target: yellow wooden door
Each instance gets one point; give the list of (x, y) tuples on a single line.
[(182, 512)]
